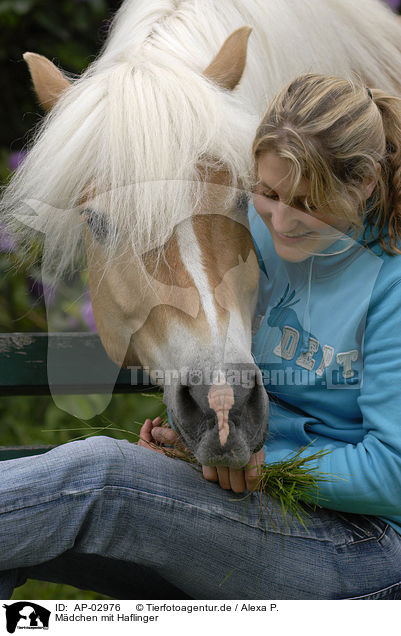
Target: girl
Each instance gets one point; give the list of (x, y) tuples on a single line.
[(328, 156), (328, 340)]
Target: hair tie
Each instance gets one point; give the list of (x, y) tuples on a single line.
[(369, 93)]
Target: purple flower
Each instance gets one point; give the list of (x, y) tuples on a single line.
[(394, 4), (15, 158), (87, 314), (39, 290), (73, 323), (7, 242), (35, 288)]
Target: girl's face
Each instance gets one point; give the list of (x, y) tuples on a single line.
[(296, 233)]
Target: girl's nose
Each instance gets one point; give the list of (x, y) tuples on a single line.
[(284, 218)]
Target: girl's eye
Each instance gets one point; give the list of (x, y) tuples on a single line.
[(269, 194), (301, 205), (312, 209)]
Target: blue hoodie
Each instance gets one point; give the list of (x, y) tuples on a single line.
[(327, 336)]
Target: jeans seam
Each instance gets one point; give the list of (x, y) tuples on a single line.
[(383, 589), (211, 510), (64, 494), (216, 512)]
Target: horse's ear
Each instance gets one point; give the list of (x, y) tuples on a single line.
[(228, 66), (48, 81)]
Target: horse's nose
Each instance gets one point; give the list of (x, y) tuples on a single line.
[(224, 422)]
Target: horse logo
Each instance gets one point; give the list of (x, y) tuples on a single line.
[(26, 615)]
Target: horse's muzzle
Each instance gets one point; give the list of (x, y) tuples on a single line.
[(223, 422)]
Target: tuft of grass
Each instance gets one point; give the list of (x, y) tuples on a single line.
[(293, 482)]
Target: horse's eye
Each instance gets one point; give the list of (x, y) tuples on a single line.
[(243, 202), (98, 225)]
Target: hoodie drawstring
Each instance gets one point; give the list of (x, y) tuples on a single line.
[(306, 318)]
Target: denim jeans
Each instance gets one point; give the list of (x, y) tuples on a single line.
[(118, 518)]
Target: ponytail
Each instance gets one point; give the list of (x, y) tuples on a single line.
[(385, 214)]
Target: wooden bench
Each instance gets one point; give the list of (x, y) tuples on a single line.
[(24, 371)]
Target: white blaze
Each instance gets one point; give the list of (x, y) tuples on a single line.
[(221, 399), (191, 256)]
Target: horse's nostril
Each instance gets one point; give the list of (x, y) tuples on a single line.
[(185, 398), (211, 423)]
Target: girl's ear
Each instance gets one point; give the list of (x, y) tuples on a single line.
[(48, 81)]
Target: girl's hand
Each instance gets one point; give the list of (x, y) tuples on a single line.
[(153, 436), (236, 479)]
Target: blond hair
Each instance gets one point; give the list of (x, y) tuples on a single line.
[(340, 135)]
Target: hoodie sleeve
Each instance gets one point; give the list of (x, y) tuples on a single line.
[(369, 472)]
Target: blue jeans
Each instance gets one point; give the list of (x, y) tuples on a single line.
[(115, 517)]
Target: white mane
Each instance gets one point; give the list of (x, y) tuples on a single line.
[(132, 132)]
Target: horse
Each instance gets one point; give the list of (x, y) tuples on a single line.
[(144, 165)]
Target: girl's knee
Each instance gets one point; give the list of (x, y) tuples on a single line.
[(117, 460)]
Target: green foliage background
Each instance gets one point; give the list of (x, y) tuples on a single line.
[(69, 32)]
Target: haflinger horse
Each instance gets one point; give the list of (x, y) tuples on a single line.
[(144, 163)]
